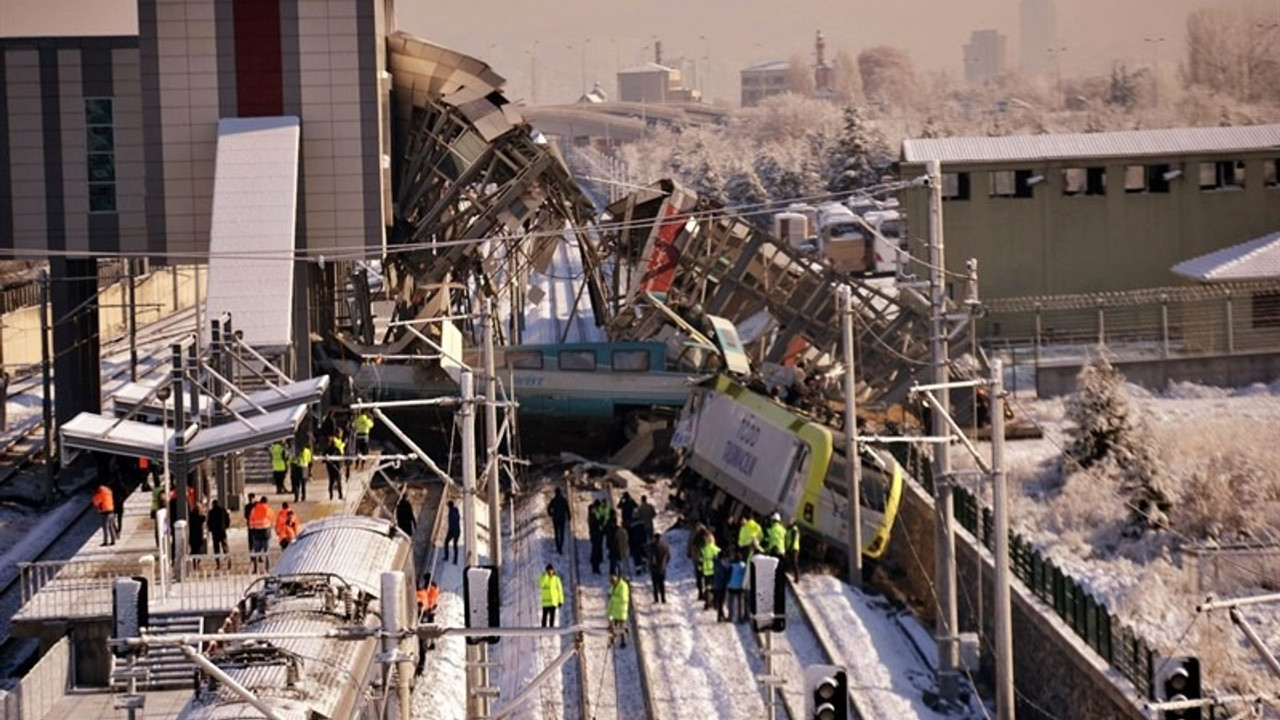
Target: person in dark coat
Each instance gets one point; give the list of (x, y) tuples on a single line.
[(659, 557), (455, 531), (219, 522), (627, 507), (195, 533), (119, 493), (619, 549), (639, 545), (558, 509), (720, 584), (595, 528), (404, 516)]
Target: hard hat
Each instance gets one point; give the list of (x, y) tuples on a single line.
[(775, 517)]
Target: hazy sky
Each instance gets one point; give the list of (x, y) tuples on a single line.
[(722, 36)]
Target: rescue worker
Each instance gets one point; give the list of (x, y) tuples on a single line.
[(454, 533), (598, 522), (558, 509), (219, 524), (619, 607), (428, 598), (118, 494), (793, 549), (619, 549), (707, 565), (775, 538), (279, 464), (261, 518), (337, 448), (287, 525), (737, 608), (698, 539), (301, 472), (363, 425), (104, 502), (749, 536), (552, 594)]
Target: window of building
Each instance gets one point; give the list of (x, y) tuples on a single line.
[(1271, 173), (100, 146), (1135, 179), (577, 360), (1084, 181), (630, 360), (1266, 310), (1222, 175), (955, 186), (1011, 183), (1158, 177), (524, 360)]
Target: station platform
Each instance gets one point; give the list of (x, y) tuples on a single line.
[(71, 599)]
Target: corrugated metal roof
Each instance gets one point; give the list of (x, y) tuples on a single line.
[(1257, 259), (1128, 143), (251, 234)]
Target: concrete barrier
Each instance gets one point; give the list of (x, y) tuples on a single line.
[(41, 688)]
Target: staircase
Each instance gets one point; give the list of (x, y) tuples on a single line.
[(166, 667), (255, 465)]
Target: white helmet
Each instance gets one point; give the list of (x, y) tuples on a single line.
[(775, 517)]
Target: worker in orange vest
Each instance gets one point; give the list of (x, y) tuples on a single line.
[(105, 503), (428, 598), (287, 525), (261, 518)]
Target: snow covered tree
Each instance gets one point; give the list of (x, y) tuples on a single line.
[(1104, 435), (1097, 414), (888, 77), (860, 154), (743, 189)]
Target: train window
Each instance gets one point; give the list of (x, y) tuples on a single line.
[(577, 360), (630, 360), (524, 360)]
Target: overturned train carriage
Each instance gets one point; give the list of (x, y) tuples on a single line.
[(329, 578), (762, 455)]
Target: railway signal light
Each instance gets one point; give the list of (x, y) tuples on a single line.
[(767, 599), (827, 696), (128, 613), (1178, 680), (481, 601)]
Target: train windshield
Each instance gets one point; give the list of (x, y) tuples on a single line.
[(844, 231), (873, 492)]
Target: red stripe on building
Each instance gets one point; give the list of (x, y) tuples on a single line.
[(259, 75)]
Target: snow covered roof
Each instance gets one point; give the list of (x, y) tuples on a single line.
[(648, 67), (768, 65), (1258, 259), (1128, 143)]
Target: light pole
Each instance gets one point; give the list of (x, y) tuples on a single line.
[(533, 73)]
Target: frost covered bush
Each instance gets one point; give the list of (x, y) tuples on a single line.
[(1226, 499)]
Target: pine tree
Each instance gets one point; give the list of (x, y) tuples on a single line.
[(859, 154), (1098, 414), (1104, 435)]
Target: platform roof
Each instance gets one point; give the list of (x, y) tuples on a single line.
[(252, 231), (130, 395), (103, 433)]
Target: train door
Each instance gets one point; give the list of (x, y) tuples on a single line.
[(794, 488)]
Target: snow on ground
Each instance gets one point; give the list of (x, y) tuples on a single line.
[(1148, 584)]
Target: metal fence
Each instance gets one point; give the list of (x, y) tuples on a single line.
[(1117, 643), (1226, 570), (1172, 322), (82, 587)]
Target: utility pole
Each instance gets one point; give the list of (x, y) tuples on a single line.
[(477, 656), (947, 628), (852, 464), (133, 322), (491, 436), (1004, 614), (46, 379)]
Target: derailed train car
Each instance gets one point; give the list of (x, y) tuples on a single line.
[(329, 578), (770, 459)]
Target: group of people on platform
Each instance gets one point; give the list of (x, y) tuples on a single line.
[(295, 463)]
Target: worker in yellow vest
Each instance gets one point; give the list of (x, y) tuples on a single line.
[(337, 448), (279, 464), (301, 471), (363, 425)]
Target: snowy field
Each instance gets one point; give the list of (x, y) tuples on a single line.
[(1221, 460)]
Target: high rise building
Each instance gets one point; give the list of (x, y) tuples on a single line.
[(985, 56), (1037, 40)]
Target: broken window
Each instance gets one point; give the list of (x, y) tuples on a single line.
[(1271, 173), (1084, 181), (955, 186), (1222, 175), (1266, 310), (631, 360), (577, 360), (1095, 181)]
